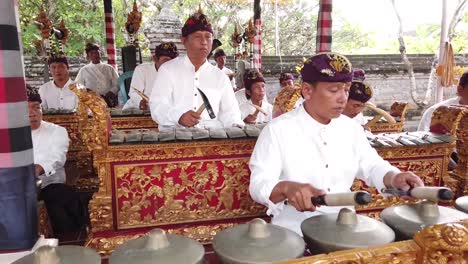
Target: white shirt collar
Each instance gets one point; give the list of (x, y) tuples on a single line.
[(189, 63), (66, 84)]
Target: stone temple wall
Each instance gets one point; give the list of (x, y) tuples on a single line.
[(385, 73)]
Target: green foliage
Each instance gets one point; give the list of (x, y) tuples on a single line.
[(84, 19), (297, 26)]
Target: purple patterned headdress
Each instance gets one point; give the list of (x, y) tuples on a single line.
[(327, 67)]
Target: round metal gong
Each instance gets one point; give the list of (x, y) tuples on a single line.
[(462, 204), (257, 242), (159, 247), (406, 220), (344, 230), (61, 255)]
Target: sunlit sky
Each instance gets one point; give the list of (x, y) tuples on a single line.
[(378, 15)]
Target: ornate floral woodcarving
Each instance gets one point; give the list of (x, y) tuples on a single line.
[(94, 130), (446, 119), (182, 192), (458, 179), (398, 110), (447, 243)]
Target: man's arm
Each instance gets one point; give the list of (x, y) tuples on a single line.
[(425, 123), (266, 164), (229, 112), (138, 82), (114, 80), (43, 97), (161, 104), (377, 172), (79, 77), (57, 155)]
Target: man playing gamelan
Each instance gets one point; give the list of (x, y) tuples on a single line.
[(314, 150), (175, 98), (145, 74), (99, 77), (56, 93), (462, 99), (255, 109)]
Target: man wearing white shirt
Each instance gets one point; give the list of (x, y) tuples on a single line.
[(99, 77), (220, 58), (56, 94), (314, 150), (462, 99), (50, 147), (145, 74), (175, 98), (255, 92)]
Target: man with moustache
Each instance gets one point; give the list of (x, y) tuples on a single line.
[(314, 150), (56, 94), (175, 97)]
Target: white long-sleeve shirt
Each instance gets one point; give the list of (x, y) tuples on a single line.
[(228, 71), (246, 109), (175, 92), (142, 80), (360, 119), (425, 123), (101, 78), (50, 146), (295, 147), (56, 97)]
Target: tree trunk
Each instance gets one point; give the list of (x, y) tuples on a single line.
[(407, 62)]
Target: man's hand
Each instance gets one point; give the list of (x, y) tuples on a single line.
[(250, 119), (143, 105), (189, 119), (38, 170), (299, 195), (403, 181)]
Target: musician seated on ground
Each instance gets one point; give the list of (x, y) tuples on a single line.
[(220, 58), (255, 94), (145, 74), (359, 94), (462, 99), (286, 79), (56, 94), (99, 77), (50, 146), (314, 150), (175, 98)]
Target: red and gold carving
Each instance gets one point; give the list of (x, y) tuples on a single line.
[(458, 179), (182, 192)]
